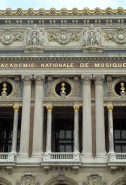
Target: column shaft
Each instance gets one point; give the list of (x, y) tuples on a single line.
[(99, 116), (15, 129), (87, 125), (38, 116), (49, 128), (110, 124), (25, 124), (76, 129)]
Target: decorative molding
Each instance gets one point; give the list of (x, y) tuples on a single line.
[(118, 36), (76, 88), (64, 11), (109, 86), (4, 181), (49, 90), (8, 37), (28, 179), (63, 37), (17, 88), (27, 79), (94, 179)]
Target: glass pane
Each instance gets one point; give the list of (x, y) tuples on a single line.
[(61, 148), (123, 133), (118, 149), (68, 134), (120, 141), (124, 149), (61, 131), (65, 141), (68, 148), (117, 134)]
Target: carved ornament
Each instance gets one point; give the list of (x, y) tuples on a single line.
[(119, 36), (16, 108), (63, 11), (34, 36), (9, 37), (64, 37), (49, 108), (28, 179), (94, 179)]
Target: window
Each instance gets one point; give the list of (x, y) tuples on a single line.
[(120, 135), (64, 134)]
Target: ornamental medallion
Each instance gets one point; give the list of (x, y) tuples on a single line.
[(63, 38), (7, 38)]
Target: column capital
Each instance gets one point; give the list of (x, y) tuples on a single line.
[(110, 108), (86, 78), (39, 79), (99, 78), (26, 79), (16, 108), (49, 108), (76, 108)]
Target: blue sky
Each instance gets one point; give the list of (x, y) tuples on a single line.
[(58, 4)]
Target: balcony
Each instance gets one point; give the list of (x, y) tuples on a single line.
[(7, 158), (116, 159)]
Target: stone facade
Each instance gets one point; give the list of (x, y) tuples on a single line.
[(62, 97)]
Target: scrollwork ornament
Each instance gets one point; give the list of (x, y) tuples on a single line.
[(39, 79), (27, 79)]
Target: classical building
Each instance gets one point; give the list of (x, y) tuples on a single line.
[(62, 97)]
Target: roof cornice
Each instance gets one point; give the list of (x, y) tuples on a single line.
[(64, 11)]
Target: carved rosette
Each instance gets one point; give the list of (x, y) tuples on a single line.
[(99, 79), (39, 79), (27, 79), (28, 179), (94, 179), (86, 78)]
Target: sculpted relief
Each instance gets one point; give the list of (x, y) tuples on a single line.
[(28, 179), (92, 36), (94, 179), (34, 36)]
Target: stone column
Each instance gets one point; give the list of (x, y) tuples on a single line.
[(25, 124), (49, 128), (38, 116), (76, 129), (110, 124), (112, 155), (99, 116), (87, 124), (15, 129)]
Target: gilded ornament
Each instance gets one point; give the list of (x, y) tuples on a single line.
[(75, 11), (122, 87), (4, 87), (76, 108), (49, 108), (110, 108), (16, 108), (63, 87)]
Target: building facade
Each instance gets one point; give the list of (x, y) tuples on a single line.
[(62, 97)]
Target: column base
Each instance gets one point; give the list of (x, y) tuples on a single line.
[(23, 158), (101, 158), (37, 157), (87, 158)]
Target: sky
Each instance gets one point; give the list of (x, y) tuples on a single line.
[(58, 4)]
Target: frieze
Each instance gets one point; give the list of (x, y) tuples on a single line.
[(63, 65), (63, 37), (9, 37), (118, 36)]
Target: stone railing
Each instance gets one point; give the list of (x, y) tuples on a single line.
[(56, 156), (120, 156), (7, 157), (115, 157)]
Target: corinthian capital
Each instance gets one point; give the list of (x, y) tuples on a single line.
[(99, 78), (86, 78), (39, 79), (27, 79)]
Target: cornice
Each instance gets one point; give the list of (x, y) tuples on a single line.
[(63, 11)]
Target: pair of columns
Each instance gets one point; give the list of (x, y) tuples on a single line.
[(38, 116), (99, 116), (49, 129)]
